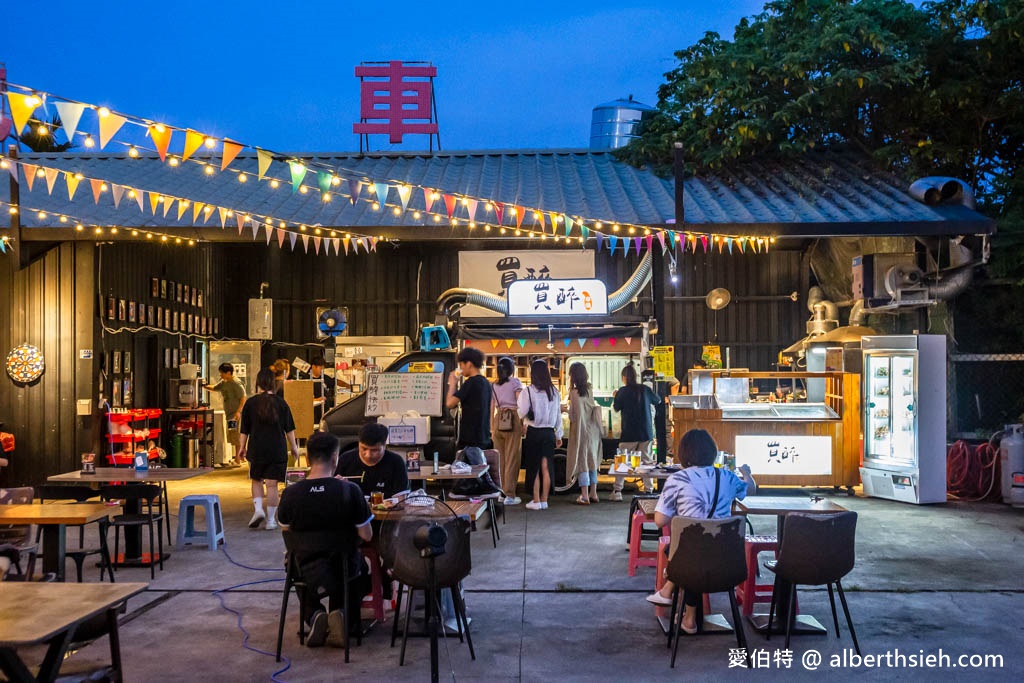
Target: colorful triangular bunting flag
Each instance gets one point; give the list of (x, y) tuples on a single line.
[(263, 159), (22, 107), (70, 114), (161, 136), (193, 141), (109, 125), (298, 171)]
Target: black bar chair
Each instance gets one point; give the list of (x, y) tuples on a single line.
[(145, 498), (816, 550)]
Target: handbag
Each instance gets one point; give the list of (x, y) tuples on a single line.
[(529, 414), (506, 416)]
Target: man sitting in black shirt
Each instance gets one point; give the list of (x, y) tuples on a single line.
[(378, 469), (323, 503)]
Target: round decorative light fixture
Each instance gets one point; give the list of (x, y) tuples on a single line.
[(25, 363)]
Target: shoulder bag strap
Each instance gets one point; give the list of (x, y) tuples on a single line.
[(714, 501)]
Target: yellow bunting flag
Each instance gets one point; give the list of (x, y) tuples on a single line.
[(207, 212), (508, 343), (51, 178), (22, 107), (494, 343), (197, 207), (109, 125), (30, 174), (161, 136), (73, 181), (223, 213), (231, 150), (193, 141), (182, 208), (263, 159), (154, 199), (345, 241), (97, 188), (167, 205)]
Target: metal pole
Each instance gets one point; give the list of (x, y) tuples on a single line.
[(677, 173), (15, 195)]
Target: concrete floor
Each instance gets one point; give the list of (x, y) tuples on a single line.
[(554, 601)]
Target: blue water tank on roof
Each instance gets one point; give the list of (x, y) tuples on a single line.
[(613, 124)]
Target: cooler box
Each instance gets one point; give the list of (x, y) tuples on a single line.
[(405, 430)]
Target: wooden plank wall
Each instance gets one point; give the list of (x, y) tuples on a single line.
[(49, 304)]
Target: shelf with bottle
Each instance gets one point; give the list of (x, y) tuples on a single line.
[(129, 429)]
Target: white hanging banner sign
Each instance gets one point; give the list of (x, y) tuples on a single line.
[(557, 297), (494, 271)]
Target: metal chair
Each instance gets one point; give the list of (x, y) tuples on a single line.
[(144, 496), (411, 571), (19, 535), (708, 558), (300, 545), (816, 550), (81, 494)]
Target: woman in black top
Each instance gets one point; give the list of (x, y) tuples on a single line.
[(267, 429), (635, 401)]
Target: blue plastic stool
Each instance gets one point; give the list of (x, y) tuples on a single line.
[(187, 533)]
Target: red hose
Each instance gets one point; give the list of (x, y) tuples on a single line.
[(972, 472)]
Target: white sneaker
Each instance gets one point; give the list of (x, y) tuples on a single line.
[(271, 524), (535, 505), (659, 599), (544, 505), (257, 518), (512, 500), (616, 497)]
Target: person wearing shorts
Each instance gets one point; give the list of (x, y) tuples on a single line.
[(267, 430)]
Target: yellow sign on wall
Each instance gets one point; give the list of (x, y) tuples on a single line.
[(664, 360)]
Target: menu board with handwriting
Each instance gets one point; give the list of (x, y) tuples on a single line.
[(399, 392)]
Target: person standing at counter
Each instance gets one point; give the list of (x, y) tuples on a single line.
[(323, 388), (474, 400), (635, 401), (233, 394), (267, 428), (507, 427), (539, 404), (583, 453)]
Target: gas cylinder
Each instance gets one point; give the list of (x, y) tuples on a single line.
[(1011, 458)]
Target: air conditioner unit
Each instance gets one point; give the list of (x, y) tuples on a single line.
[(261, 319)]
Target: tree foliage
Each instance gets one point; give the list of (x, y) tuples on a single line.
[(929, 90)]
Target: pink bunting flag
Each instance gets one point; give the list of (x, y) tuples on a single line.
[(661, 239), (373, 244), (239, 219), (30, 174), (472, 204), (649, 239), (140, 198), (223, 213), (611, 340), (704, 242), (305, 244), (337, 246), (270, 233), (117, 191), (499, 212), (428, 198), (97, 188), (628, 340), (51, 178)]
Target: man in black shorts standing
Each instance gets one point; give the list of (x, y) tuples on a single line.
[(474, 398), (323, 503), (378, 469)]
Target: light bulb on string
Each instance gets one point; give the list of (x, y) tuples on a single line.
[(173, 161), (104, 112), (242, 178), (89, 142), (209, 143), (113, 231), (133, 152), (209, 170), (275, 184), (43, 130), (303, 189)]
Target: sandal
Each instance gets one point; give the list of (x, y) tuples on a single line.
[(582, 500), (595, 499)]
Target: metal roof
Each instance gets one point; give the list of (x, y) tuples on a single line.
[(820, 194)]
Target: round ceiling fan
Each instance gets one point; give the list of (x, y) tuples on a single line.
[(717, 299)]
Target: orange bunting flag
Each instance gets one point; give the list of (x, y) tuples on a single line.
[(182, 208), (494, 343), (167, 205), (30, 174), (197, 207), (109, 125), (316, 244), (231, 150), (517, 212), (449, 204), (51, 178), (305, 244), (554, 222), (193, 141), (345, 241), (207, 212), (263, 159), (22, 107), (97, 188), (73, 181), (280, 239), (154, 199), (161, 136), (116, 191)]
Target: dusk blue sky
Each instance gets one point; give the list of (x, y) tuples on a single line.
[(281, 75)]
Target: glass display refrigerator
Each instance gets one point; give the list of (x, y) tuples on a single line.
[(904, 390)]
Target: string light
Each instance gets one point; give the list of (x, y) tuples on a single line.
[(89, 142), (133, 152), (209, 170), (43, 130), (242, 178), (173, 161)]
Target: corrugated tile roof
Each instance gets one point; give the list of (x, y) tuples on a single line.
[(820, 194)]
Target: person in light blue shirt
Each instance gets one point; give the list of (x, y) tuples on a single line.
[(691, 493)]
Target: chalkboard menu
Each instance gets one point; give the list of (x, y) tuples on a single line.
[(399, 392)]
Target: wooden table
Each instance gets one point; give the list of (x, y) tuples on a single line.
[(462, 508), (33, 613), (781, 506), (133, 556), (55, 518)]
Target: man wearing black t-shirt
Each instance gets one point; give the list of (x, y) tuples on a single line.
[(474, 398), (323, 503), (378, 469)]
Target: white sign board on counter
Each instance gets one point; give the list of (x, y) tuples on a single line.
[(557, 297), (400, 392), (774, 454), (495, 271)]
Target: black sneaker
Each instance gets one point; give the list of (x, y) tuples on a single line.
[(317, 630)]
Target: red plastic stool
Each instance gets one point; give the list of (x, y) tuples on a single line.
[(750, 591), (375, 599), (637, 557)]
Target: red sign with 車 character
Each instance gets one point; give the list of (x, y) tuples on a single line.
[(396, 99)]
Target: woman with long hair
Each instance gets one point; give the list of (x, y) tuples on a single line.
[(635, 401), (583, 454), (507, 427), (267, 428), (539, 405)]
